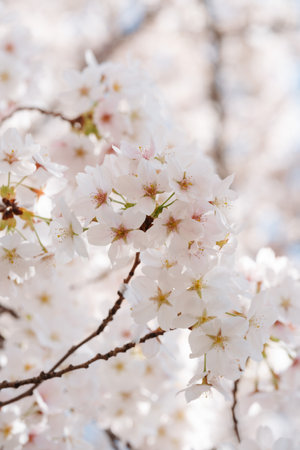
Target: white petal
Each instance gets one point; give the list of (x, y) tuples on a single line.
[(28, 250), (99, 235), (193, 392), (150, 348), (80, 246)]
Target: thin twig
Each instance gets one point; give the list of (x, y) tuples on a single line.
[(7, 310), (97, 332), (114, 439), (72, 122), (233, 408), (71, 368)]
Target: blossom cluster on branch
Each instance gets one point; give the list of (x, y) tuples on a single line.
[(121, 187)]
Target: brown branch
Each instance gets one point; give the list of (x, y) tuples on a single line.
[(99, 330), (73, 122), (105, 322), (114, 439), (7, 310), (233, 412), (36, 381)]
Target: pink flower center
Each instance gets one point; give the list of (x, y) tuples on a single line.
[(172, 225), (10, 157), (185, 183), (120, 233), (150, 190), (106, 118), (99, 198)]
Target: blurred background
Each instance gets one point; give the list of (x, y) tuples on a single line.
[(229, 72)]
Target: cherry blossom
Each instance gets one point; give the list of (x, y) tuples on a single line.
[(225, 352), (94, 189), (66, 231), (84, 88), (115, 202), (152, 299), (16, 155), (17, 257)]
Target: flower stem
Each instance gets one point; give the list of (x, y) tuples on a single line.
[(39, 240)]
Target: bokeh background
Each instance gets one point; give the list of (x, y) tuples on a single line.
[(229, 72)]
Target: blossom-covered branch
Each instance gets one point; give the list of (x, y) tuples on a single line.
[(121, 186), (51, 373), (96, 333)]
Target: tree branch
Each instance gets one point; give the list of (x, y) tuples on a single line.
[(73, 122), (51, 373), (36, 381), (7, 310), (1, 341), (99, 330), (233, 412), (114, 439)]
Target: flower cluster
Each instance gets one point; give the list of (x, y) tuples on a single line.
[(167, 204), (267, 390), (123, 178), (17, 65), (28, 185)]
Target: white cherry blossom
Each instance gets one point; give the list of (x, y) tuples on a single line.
[(118, 230), (17, 256), (173, 222), (65, 232), (83, 88), (150, 299), (145, 188), (285, 296), (94, 189), (220, 340), (261, 315), (16, 154)]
